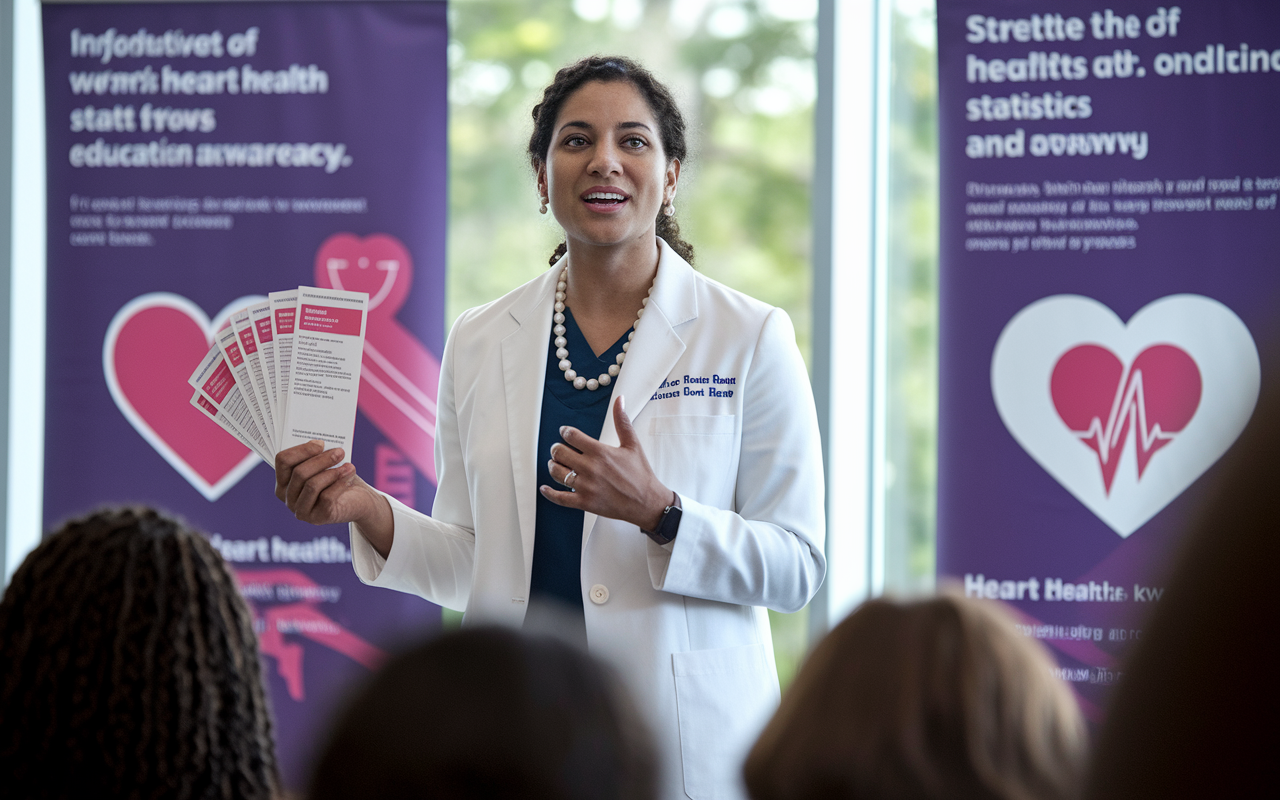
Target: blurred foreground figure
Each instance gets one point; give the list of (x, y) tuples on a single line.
[(932, 699), (490, 714), (129, 668), (1197, 712)]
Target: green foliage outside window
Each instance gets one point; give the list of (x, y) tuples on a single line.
[(912, 323)]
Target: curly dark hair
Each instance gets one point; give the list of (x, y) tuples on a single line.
[(610, 69), (129, 668)]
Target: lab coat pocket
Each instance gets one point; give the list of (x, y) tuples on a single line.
[(723, 699), (694, 454)]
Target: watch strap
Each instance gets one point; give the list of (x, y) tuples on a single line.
[(665, 533)]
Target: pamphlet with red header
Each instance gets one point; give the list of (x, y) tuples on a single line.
[(287, 371)]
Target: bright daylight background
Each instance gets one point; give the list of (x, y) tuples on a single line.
[(743, 71)]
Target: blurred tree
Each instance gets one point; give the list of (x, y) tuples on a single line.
[(743, 70)]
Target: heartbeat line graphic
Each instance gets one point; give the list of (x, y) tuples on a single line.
[(1155, 397), (1129, 408)]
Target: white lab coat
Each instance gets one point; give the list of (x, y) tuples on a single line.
[(685, 624)]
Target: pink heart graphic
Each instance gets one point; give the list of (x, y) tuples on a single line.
[(1102, 402), (1089, 395), (150, 348), (378, 265)]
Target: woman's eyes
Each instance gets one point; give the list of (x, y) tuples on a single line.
[(630, 143)]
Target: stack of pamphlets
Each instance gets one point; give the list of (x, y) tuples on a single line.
[(287, 371)]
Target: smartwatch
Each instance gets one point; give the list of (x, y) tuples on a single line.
[(665, 533)]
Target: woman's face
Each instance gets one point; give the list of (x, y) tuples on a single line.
[(605, 174)]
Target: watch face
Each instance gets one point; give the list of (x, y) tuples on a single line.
[(670, 524)]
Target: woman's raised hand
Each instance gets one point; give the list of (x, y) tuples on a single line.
[(614, 482), (318, 493)]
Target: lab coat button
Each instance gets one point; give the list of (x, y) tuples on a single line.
[(599, 594)]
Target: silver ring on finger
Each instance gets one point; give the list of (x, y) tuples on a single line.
[(570, 478)]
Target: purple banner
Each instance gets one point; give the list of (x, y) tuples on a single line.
[(201, 155), (1109, 230)]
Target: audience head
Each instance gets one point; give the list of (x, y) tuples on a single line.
[(938, 698), (129, 668), (491, 714), (1195, 713)]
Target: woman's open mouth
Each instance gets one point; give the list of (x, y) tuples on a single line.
[(605, 201)]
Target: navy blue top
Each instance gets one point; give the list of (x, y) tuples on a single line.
[(557, 545)]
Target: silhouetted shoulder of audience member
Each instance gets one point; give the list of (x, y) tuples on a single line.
[(129, 668), (938, 698), (1197, 709), (492, 714)]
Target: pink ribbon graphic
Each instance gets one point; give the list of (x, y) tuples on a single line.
[(399, 375), (302, 618)]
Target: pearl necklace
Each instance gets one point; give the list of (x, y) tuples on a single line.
[(562, 344)]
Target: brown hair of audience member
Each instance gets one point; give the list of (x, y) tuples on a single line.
[(129, 668), (610, 69), (938, 698), (489, 714)]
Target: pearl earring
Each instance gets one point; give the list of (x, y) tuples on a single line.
[(543, 209), (669, 209)]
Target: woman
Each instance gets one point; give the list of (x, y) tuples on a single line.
[(525, 718), (129, 668), (929, 700), (692, 422)]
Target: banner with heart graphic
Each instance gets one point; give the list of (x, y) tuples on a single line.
[(1125, 416), (288, 138), (1109, 223)]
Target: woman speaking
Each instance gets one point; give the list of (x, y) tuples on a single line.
[(621, 437)]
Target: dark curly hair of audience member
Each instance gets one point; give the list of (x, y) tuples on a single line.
[(129, 668), (926, 700), (489, 714), (662, 103)]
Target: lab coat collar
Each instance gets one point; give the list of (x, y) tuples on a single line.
[(653, 353), (657, 345), (656, 348), (524, 367), (673, 292)]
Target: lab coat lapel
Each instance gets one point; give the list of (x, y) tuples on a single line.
[(523, 367), (656, 348)]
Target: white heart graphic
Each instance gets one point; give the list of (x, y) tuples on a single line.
[(1022, 369), (210, 491)]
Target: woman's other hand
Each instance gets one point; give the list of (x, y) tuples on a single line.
[(317, 492), (614, 482)]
